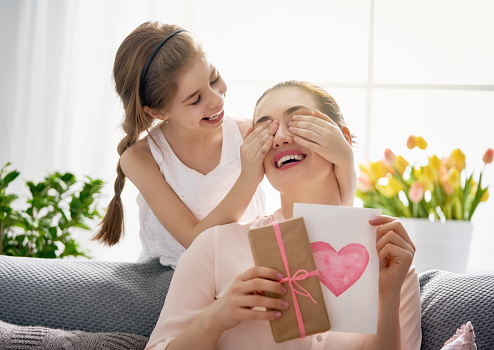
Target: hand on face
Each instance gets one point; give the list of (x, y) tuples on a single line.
[(395, 250), (256, 145), (246, 293), (320, 134)]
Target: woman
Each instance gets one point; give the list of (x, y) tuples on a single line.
[(214, 300)]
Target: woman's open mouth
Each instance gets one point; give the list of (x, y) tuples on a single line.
[(287, 159)]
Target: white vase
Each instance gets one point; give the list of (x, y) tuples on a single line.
[(443, 246)]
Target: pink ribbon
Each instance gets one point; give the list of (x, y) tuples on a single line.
[(295, 287)]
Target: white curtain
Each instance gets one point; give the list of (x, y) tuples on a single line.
[(59, 110)]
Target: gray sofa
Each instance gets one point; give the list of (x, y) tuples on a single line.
[(74, 304)]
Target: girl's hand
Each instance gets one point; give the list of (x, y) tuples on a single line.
[(395, 250), (320, 134), (246, 293), (256, 145)]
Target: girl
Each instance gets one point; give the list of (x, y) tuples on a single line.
[(192, 157), (214, 300)]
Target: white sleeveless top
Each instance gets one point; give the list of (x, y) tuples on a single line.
[(200, 193)]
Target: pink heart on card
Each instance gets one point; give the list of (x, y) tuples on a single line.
[(338, 271)]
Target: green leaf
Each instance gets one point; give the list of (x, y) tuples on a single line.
[(10, 177)]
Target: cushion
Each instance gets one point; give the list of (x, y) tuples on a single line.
[(83, 295), (449, 299), (14, 337)]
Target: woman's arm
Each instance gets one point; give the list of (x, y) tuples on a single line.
[(191, 290), (192, 317), (140, 167), (396, 298), (235, 306)]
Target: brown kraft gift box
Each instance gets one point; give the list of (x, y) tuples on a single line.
[(266, 252)]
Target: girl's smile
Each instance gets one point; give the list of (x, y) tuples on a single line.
[(215, 118)]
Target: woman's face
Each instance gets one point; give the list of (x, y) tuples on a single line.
[(198, 103), (288, 165)]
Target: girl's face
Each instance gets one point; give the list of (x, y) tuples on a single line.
[(200, 97), (288, 165)]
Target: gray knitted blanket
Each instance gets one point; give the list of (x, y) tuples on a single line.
[(36, 338)]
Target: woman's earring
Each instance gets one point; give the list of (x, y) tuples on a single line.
[(166, 121)]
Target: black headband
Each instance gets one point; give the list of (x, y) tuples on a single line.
[(144, 71)]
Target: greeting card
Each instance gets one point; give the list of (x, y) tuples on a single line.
[(344, 249)]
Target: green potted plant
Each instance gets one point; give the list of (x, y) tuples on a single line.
[(435, 197), (42, 224)]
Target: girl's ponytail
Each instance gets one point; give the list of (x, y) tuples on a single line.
[(112, 225)]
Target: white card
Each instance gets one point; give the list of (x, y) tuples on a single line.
[(344, 248)]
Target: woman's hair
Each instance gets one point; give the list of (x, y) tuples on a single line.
[(324, 101), (158, 90)]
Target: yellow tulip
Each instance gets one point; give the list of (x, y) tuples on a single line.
[(365, 167), (429, 172), (473, 189), (390, 189), (416, 141), (421, 143), (455, 160), (400, 164), (454, 178), (435, 162), (377, 169), (485, 196), (426, 181)]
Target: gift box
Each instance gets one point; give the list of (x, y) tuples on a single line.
[(285, 247)]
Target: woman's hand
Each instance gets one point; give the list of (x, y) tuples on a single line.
[(320, 134), (395, 250), (245, 294), (256, 145)]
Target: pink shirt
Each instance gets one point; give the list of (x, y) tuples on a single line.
[(206, 271)]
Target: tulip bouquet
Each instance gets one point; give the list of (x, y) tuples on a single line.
[(439, 190)]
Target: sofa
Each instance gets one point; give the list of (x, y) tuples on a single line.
[(84, 304)]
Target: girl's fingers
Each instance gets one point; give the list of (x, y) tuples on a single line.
[(323, 116), (318, 118), (312, 146), (265, 147), (259, 140), (308, 134), (314, 129), (267, 127), (308, 122)]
